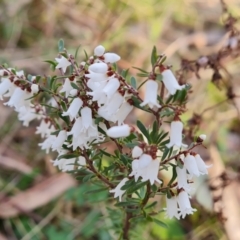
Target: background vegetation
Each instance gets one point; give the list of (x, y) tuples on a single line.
[(50, 205)]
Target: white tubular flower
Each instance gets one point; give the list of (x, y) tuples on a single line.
[(43, 129), (63, 63), (76, 128), (117, 191), (175, 134), (151, 172), (182, 179), (5, 85), (96, 77), (46, 145), (191, 165), (60, 139), (111, 57), (123, 112), (26, 114), (111, 87), (184, 204), (86, 114), (72, 111), (99, 51), (98, 67), (172, 208), (114, 103), (202, 167), (136, 171), (137, 152), (171, 82), (34, 88), (151, 94), (104, 113), (67, 87), (145, 160), (119, 131), (17, 99)]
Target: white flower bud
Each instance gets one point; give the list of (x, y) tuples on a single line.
[(111, 57), (98, 67), (119, 131), (99, 51), (203, 137), (137, 152), (34, 88), (73, 92)]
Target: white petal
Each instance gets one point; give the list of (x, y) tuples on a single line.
[(111, 57)]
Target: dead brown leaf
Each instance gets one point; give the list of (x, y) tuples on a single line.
[(36, 196)]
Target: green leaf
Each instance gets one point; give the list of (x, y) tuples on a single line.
[(135, 187), (174, 175), (74, 85), (143, 130), (159, 77), (133, 82), (160, 223), (124, 73), (97, 190), (76, 53), (60, 45), (141, 70), (165, 153), (151, 205), (154, 56)]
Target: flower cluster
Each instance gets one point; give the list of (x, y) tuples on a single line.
[(88, 105)]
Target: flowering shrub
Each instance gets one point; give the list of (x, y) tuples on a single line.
[(84, 109)]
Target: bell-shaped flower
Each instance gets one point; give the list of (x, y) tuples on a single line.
[(137, 152), (67, 87), (151, 94), (136, 171), (76, 128), (60, 139), (191, 165), (17, 99), (111, 87), (175, 134), (26, 115), (87, 120), (114, 103), (43, 128), (145, 160), (184, 204), (100, 67), (123, 112), (5, 85), (111, 57), (47, 143), (172, 208), (170, 82), (117, 191), (119, 131), (151, 172), (96, 77), (75, 106), (99, 51), (63, 63), (182, 179), (202, 167)]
